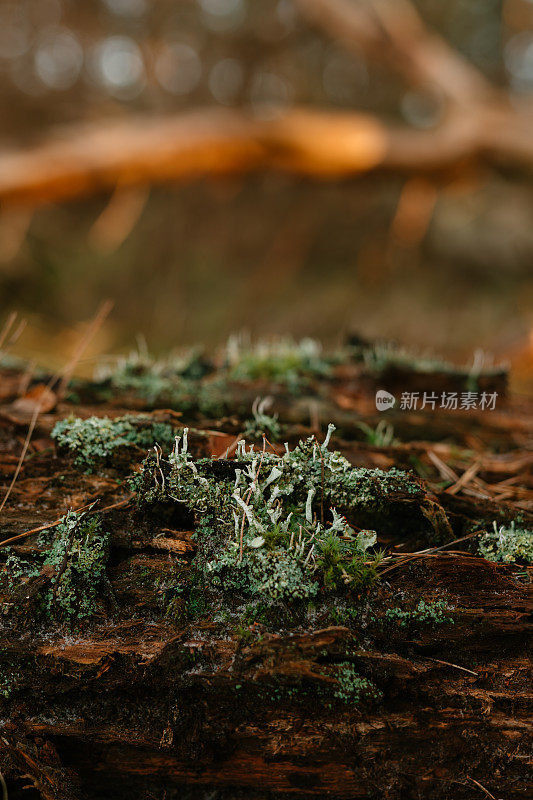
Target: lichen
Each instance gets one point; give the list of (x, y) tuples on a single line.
[(268, 525), (352, 687), (94, 441), (174, 382), (262, 424), (282, 360), (382, 356), (507, 544), (425, 613), (71, 571)]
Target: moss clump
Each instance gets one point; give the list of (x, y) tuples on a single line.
[(352, 687), (78, 556), (281, 360), (175, 382), (95, 440), (267, 525), (424, 613), (507, 544), (383, 356), (71, 575), (189, 365)]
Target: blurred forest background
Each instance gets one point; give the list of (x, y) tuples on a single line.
[(434, 255)]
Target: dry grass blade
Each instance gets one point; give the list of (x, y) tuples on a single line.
[(31, 428), (477, 783), (465, 478), (98, 320), (449, 664), (8, 324), (446, 472), (6, 343), (428, 552)]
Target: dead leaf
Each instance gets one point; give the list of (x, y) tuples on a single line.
[(39, 398)]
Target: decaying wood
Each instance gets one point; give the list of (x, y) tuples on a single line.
[(141, 704)]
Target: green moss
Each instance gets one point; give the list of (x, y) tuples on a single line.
[(352, 687), (78, 555), (175, 382), (507, 544), (338, 684), (266, 525), (424, 613), (94, 441), (10, 679), (344, 615), (281, 360), (72, 571), (385, 355)]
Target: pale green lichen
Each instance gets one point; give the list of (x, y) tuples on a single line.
[(93, 441), (262, 424), (174, 382), (382, 356), (268, 524), (284, 360), (424, 613), (352, 687), (78, 556), (72, 568), (507, 544)]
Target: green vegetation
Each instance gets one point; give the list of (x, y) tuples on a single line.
[(71, 573), (424, 613), (175, 382), (382, 356), (281, 360), (267, 525), (380, 436), (261, 422), (507, 544), (353, 687), (10, 678), (78, 557), (93, 441), (123, 370)]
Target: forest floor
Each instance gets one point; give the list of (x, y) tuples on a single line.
[(347, 617)]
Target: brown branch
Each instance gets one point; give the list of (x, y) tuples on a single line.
[(479, 122), (324, 145), (391, 31)]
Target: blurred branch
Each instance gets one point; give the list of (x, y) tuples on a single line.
[(140, 150), (392, 31), (479, 121)]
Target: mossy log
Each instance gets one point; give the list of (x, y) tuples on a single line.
[(135, 707), (418, 686)]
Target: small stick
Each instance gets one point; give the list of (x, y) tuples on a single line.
[(57, 521), (481, 787), (231, 448), (449, 664), (22, 456), (430, 551)]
